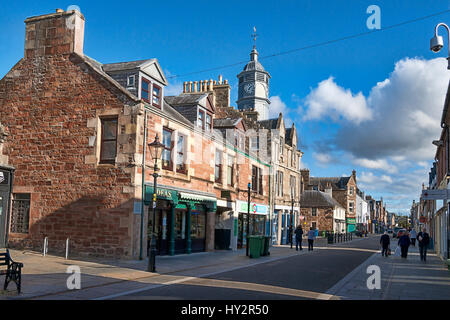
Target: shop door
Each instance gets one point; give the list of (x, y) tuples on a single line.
[(161, 230), (242, 231), (283, 228), (180, 231), (198, 231)]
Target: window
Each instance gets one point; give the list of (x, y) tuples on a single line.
[(293, 187), (156, 96), (260, 181), (254, 143), (351, 191), (20, 217), (181, 167), (130, 81), (201, 119), (230, 163), (218, 167), (145, 90), (313, 212), (350, 206), (314, 225), (281, 145), (257, 185), (108, 144), (280, 182), (167, 152), (208, 122)]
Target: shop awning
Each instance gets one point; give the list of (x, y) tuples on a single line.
[(195, 197)]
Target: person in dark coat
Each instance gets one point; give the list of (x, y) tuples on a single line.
[(385, 241), (298, 237), (424, 239), (404, 243)]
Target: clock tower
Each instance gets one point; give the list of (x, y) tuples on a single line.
[(254, 86)]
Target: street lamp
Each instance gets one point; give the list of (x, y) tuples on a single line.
[(437, 42), (156, 149)]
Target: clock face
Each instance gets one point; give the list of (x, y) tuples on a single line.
[(249, 88)]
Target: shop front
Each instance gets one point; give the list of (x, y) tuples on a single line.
[(258, 219), (284, 216), (351, 224), (180, 220)]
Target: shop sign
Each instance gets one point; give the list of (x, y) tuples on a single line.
[(254, 208), (423, 219), (161, 193), (351, 220)]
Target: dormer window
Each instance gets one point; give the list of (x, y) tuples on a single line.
[(145, 90), (254, 143), (130, 81), (156, 96)]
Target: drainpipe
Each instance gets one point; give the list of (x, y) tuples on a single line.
[(143, 185)]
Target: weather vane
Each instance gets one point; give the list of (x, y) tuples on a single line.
[(254, 36)]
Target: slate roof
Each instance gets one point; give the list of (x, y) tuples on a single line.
[(108, 67), (336, 182), (226, 122), (317, 199), (169, 110), (185, 99), (269, 124), (254, 65)]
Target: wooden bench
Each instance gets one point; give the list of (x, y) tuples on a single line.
[(13, 270)]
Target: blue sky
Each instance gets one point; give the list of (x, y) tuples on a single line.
[(339, 95)]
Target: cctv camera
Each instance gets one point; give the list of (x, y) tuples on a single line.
[(436, 43)]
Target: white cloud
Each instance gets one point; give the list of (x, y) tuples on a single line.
[(329, 99), (406, 109), (323, 159), (276, 106), (380, 164)]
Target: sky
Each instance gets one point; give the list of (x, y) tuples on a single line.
[(371, 103)]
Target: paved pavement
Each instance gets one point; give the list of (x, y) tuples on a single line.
[(330, 272), (401, 279)]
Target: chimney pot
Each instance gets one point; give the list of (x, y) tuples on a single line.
[(210, 85), (190, 86), (184, 87), (220, 79), (195, 86)]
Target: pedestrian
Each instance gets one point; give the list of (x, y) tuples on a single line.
[(413, 235), (404, 243), (385, 241), (298, 237), (311, 237), (424, 239)]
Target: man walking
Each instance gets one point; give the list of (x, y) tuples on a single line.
[(404, 243), (424, 239), (413, 237), (298, 237), (385, 241), (311, 237)]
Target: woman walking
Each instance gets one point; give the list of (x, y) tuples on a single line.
[(311, 237)]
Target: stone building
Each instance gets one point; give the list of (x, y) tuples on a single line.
[(79, 135), (343, 191), (6, 182), (322, 212)]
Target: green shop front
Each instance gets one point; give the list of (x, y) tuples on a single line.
[(259, 216), (180, 220), (351, 224)]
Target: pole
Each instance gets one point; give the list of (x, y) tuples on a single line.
[(143, 186), (248, 219), (152, 257), (292, 217), (67, 248)]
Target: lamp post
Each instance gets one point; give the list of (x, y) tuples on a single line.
[(437, 42), (292, 217), (156, 149), (248, 218)]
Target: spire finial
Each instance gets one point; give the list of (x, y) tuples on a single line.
[(254, 36)]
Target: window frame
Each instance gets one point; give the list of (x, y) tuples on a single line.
[(102, 140), (231, 168), (149, 93), (170, 166), (313, 212), (134, 80), (208, 127), (183, 166), (13, 200), (201, 124), (218, 166), (159, 96)]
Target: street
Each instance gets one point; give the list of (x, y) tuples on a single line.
[(304, 276)]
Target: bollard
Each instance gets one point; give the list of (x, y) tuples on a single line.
[(67, 248), (45, 246)]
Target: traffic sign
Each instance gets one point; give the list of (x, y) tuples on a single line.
[(435, 194)]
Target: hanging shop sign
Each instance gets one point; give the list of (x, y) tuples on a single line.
[(161, 193), (435, 194)]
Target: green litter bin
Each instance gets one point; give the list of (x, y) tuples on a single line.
[(254, 243), (266, 245)]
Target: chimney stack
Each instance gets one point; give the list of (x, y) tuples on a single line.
[(55, 33)]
